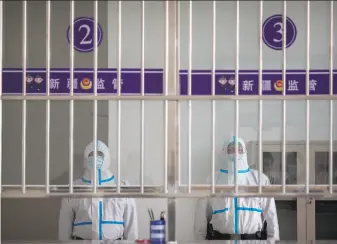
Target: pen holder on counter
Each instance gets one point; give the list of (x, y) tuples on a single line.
[(158, 231)]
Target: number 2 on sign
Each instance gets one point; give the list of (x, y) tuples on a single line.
[(279, 25), (86, 39)]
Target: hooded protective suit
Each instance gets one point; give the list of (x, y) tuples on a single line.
[(236, 215), (98, 218)]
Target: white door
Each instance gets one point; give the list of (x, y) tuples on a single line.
[(322, 213), (290, 210)]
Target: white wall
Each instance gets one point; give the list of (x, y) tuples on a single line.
[(225, 59)]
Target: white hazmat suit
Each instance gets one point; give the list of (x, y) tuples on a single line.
[(98, 218), (244, 215)]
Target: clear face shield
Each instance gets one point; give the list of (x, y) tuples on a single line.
[(232, 164), (231, 151)]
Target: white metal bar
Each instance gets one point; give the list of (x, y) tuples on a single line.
[(71, 102), (1, 66), (95, 36), (189, 81), (178, 92), (24, 103), (198, 191), (119, 109), (166, 93), (307, 139), (142, 77), (284, 109), (237, 66), (48, 51), (331, 94), (168, 97), (213, 93), (260, 94)]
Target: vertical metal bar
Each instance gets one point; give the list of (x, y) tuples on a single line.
[(284, 79), (237, 66), (24, 102), (213, 93), (307, 138), (260, 93), (172, 88), (142, 77), (178, 90), (119, 77), (166, 93), (189, 80), (331, 93), (95, 36), (1, 66), (48, 16), (71, 102)]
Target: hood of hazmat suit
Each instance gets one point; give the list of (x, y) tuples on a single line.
[(236, 215), (98, 218)]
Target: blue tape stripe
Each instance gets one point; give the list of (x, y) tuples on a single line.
[(220, 211), (108, 179), (112, 222), (99, 172), (240, 171), (82, 223), (236, 216), (100, 179), (250, 209), (100, 235)]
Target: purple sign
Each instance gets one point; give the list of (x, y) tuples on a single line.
[(272, 32), (83, 81), (225, 82), (84, 34), (272, 83)]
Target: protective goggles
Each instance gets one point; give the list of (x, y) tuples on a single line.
[(231, 148), (99, 153)]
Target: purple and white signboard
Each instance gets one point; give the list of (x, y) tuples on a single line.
[(83, 81), (84, 34), (272, 32), (272, 83)]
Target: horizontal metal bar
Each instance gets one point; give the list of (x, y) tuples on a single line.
[(198, 194), (158, 192), (166, 97)]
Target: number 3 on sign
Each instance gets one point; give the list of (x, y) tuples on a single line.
[(273, 32), (84, 34), (279, 26)]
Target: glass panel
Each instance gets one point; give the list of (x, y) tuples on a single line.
[(272, 167), (287, 218), (326, 215), (286, 210), (322, 168)]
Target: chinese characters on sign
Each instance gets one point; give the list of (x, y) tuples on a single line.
[(83, 82), (225, 82), (272, 83)]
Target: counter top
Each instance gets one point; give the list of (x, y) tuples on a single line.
[(183, 242)]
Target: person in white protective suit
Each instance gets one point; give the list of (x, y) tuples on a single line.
[(246, 218), (98, 218)]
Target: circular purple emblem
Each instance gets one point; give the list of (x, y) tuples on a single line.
[(272, 32), (84, 34)]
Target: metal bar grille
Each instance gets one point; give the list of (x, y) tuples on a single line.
[(143, 190)]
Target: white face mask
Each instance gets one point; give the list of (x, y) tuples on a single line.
[(99, 162), (232, 157)]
